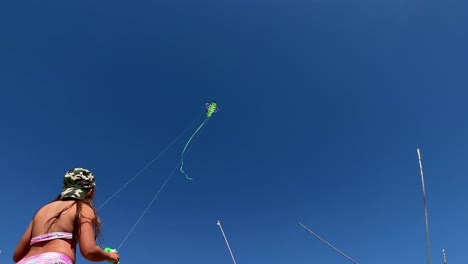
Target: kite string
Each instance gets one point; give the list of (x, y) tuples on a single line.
[(149, 205), (154, 198), (149, 164), (136, 175), (330, 245)]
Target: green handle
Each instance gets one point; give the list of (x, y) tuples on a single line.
[(108, 249)]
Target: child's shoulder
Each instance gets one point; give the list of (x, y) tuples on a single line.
[(87, 210)]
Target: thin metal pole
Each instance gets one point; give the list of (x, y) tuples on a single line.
[(425, 206), (330, 245), (227, 243), (443, 254)]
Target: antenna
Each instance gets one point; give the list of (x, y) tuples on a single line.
[(227, 243), (443, 254), (425, 206)]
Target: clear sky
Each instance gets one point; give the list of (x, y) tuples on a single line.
[(323, 105)]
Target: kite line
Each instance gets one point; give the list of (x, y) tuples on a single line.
[(152, 200), (148, 164), (149, 205), (330, 245), (211, 108)]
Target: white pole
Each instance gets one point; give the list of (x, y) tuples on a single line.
[(425, 206), (227, 243), (443, 253), (330, 245)]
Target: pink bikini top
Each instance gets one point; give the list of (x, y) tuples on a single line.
[(51, 236)]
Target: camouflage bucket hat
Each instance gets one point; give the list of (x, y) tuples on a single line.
[(77, 183)]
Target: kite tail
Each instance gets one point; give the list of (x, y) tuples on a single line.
[(186, 145)]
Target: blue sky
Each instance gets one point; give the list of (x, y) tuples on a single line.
[(323, 104)]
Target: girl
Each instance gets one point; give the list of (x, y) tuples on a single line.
[(56, 228)]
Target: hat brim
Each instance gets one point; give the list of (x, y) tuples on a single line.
[(74, 192)]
